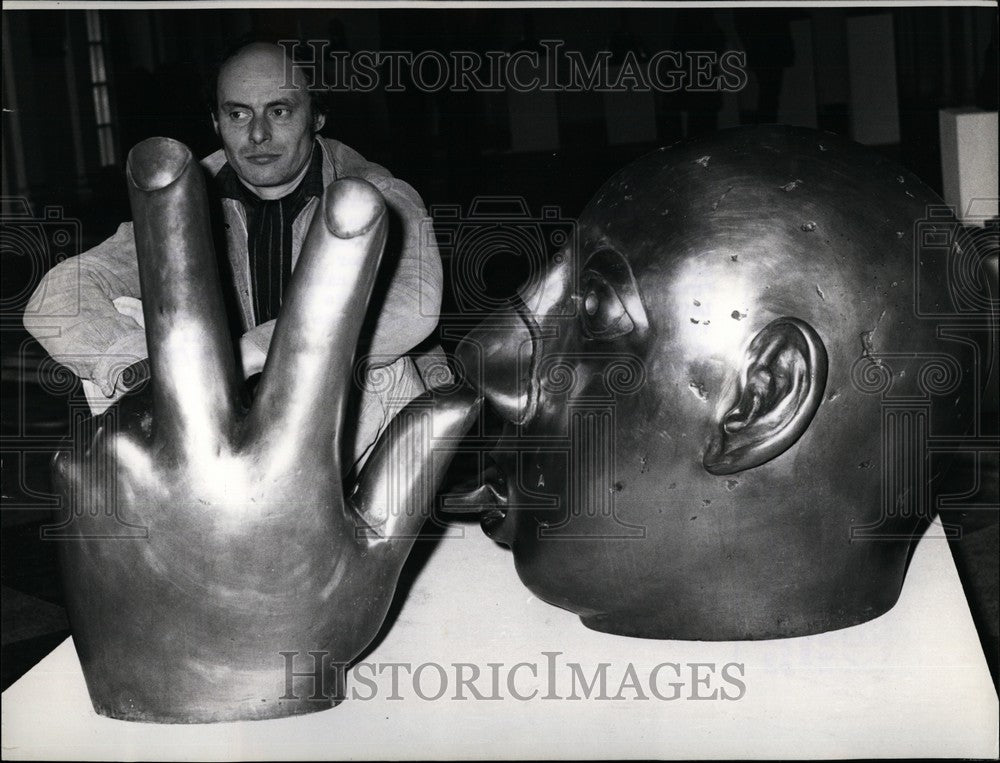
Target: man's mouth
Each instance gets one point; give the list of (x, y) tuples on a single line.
[(262, 158)]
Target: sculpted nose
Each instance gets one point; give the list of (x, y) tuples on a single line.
[(498, 359)]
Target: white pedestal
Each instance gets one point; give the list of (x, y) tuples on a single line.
[(912, 683), (969, 162)]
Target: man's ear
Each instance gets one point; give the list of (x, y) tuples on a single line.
[(780, 389), (318, 121), (215, 122)]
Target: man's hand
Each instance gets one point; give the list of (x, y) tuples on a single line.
[(130, 307), (253, 560), (253, 348)]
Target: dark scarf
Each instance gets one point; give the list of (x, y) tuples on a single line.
[(269, 232)]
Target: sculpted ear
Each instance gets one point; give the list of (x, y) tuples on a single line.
[(780, 389)]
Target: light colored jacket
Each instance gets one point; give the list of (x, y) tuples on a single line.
[(85, 311)]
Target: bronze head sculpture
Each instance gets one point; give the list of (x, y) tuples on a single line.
[(244, 542), (719, 397)]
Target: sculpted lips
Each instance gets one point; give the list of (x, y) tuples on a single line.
[(262, 158)]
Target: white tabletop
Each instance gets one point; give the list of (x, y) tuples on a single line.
[(910, 683)]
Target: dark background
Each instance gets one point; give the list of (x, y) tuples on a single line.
[(452, 146), (879, 76)]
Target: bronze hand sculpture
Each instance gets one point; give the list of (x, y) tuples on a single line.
[(253, 547), (723, 398)]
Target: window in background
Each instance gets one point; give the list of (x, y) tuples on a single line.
[(101, 90)]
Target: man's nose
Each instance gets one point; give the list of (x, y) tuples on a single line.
[(260, 130)]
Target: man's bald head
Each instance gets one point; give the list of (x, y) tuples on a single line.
[(257, 50)]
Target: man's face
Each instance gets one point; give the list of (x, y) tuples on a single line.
[(266, 127)]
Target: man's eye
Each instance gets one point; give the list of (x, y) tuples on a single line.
[(239, 116), (281, 112)]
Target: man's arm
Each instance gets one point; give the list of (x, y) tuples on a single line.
[(73, 313), (412, 303)]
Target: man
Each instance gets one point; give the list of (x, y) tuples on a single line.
[(270, 176)]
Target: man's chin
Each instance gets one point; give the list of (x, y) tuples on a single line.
[(263, 176)]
